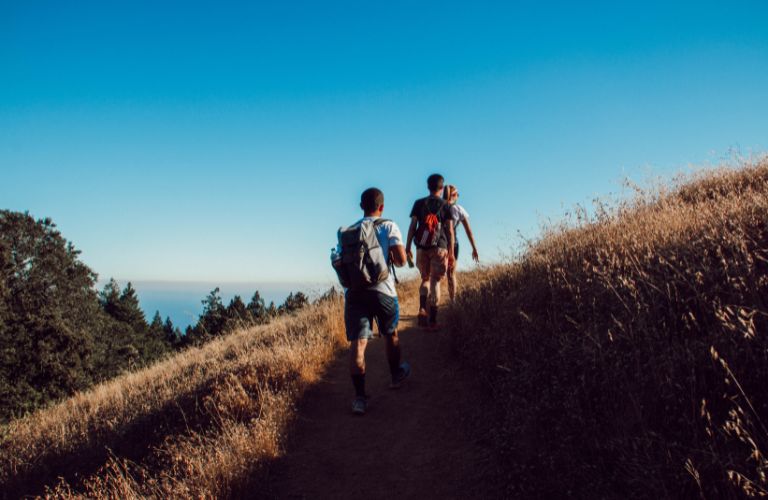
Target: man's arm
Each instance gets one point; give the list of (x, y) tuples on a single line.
[(397, 254), (411, 234)]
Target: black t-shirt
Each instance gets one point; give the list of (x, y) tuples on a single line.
[(443, 214)]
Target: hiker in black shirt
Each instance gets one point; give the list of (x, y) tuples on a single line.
[(432, 231)]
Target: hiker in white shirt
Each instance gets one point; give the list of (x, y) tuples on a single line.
[(368, 297), (459, 216)]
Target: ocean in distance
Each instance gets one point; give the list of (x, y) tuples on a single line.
[(182, 300)]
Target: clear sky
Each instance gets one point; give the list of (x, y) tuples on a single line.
[(227, 141)]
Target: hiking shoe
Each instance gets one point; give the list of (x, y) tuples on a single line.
[(359, 405), (402, 374)]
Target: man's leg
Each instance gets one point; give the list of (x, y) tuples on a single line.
[(388, 316), (424, 265), (393, 353), (357, 321), (452, 282), (438, 266), (357, 366)]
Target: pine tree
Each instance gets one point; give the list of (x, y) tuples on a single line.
[(109, 298), (237, 314), (172, 335), (293, 303), (331, 294), (136, 345), (257, 309), (272, 311), (156, 327), (129, 310), (212, 322)]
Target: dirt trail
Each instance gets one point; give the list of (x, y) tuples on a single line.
[(420, 441)]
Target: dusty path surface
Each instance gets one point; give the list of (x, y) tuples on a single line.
[(420, 441)]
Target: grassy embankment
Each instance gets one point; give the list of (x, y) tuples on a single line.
[(627, 356), (628, 352), (201, 424)]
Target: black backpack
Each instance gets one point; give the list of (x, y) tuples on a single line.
[(430, 223), (361, 263)]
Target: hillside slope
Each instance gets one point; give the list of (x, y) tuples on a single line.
[(629, 352), (202, 423), (624, 356)]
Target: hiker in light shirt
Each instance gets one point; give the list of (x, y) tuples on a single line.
[(378, 300), (459, 216)]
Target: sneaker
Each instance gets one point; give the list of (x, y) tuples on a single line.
[(423, 318), (402, 374), (359, 405), (433, 327)]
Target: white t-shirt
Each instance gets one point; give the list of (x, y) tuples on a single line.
[(388, 235), (458, 214)]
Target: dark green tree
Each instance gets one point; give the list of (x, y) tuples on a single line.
[(129, 310), (156, 326), (123, 306), (331, 294), (48, 315), (109, 298), (293, 303), (272, 312), (257, 309), (172, 335), (237, 314), (212, 322), (57, 334)]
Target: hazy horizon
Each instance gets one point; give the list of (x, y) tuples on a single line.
[(182, 300)]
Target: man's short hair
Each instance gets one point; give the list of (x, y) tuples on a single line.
[(435, 182), (371, 200)]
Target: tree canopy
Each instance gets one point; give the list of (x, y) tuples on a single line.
[(59, 335)]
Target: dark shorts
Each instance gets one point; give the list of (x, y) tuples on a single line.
[(361, 307)]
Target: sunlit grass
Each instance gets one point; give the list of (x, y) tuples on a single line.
[(627, 349)]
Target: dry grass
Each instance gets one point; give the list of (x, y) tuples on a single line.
[(627, 350), (204, 423), (200, 424)]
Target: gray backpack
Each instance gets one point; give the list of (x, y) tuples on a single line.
[(362, 262)]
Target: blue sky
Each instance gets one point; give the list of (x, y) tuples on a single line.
[(227, 141)]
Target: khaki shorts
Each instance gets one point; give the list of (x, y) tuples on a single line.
[(432, 263)]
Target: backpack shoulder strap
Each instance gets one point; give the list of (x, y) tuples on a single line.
[(380, 221)]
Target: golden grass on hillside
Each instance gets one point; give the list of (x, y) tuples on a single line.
[(204, 423), (199, 424), (628, 353)]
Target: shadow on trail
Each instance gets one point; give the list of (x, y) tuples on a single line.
[(424, 440)]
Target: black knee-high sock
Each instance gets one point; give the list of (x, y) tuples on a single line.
[(358, 381), (394, 363), (433, 315), (394, 368), (423, 302)]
